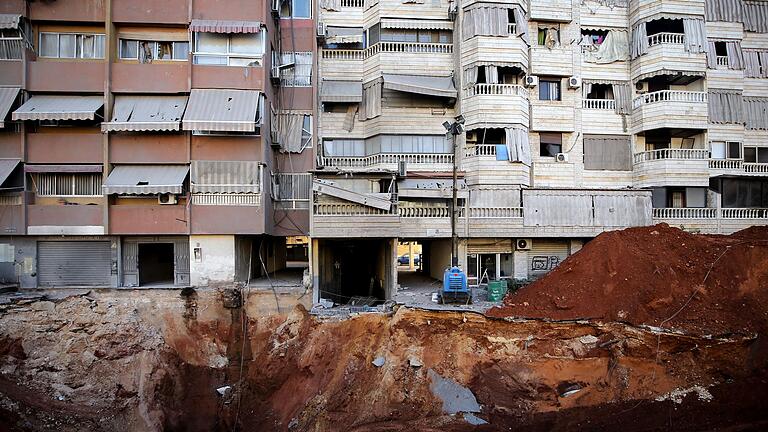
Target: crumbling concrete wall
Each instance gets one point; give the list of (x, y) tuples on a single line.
[(213, 259)]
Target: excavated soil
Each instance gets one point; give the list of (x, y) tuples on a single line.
[(152, 361), (657, 276)]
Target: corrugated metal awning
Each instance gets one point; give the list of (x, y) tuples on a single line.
[(343, 35), (146, 113), (146, 179), (416, 24), (6, 168), (225, 177), (222, 110), (7, 97), (63, 168), (341, 91), (9, 21), (419, 84), (59, 108), (225, 26)]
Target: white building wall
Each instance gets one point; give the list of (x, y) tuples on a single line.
[(212, 259)]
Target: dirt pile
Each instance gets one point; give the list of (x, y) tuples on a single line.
[(658, 276)]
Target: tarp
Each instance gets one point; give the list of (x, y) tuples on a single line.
[(222, 110), (146, 113), (341, 91), (9, 21), (46, 107), (146, 179)]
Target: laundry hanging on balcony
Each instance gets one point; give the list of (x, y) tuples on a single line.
[(370, 105), (725, 106), (290, 131), (695, 35), (615, 47), (754, 64), (518, 146), (623, 98)]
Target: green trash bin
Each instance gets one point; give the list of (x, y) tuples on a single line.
[(497, 290)]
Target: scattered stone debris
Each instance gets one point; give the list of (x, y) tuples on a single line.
[(414, 362), (455, 397), (224, 391), (677, 395), (474, 420)]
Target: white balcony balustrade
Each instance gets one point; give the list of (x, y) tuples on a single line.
[(726, 164), (599, 104), (353, 4), (408, 47), (496, 90), (495, 212), (669, 96), (480, 150), (666, 38), (671, 153), (710, 213), (342, 54), (390, 159)]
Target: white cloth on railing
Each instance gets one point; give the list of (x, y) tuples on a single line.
[(370, 106), (623, 98), (290, 126), (639, 41), (521, 24), (491, 74), (518, 146), (470, 76), (724, 10), (752, 62), (615, 47), (331, 5), (485, 20), (725, 106), (756, 16), (695, 35), (756, 112)]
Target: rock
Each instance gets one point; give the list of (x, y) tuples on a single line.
[(378, 361), (456, 398), (223, 391), (415, 362), (46, 306), (474, 420), (588, 340)]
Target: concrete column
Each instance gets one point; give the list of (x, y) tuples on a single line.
[(392, 288), (314, 268), (520, 261), (410, 256)]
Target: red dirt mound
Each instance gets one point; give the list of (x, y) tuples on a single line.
[(659, 276)]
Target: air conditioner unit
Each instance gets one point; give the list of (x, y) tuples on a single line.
[(402, 168), (321, 30), (561, 157), (275, 141), (523, 244), (167, 199), (642, 87), (531, 81), (276, 7), (574, 82)]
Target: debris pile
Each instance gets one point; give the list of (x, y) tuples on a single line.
[(657, 276)]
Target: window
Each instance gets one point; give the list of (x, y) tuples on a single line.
[(422, 36), (734, 150), (744, 193), (67, 185), (756, 154), (72, 45), (146, 51), (236, 49), (549, 90), (550, 144), (298, 75), (306, 132), (549, 36), (295, 9), (10, 44)]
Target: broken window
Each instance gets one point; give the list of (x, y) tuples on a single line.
[(745, 193), (306, 132), (550, 144), (549, 89), (146, 51), (755, 154), (236, 49), (72, 45), (66, 184), (296, 70)]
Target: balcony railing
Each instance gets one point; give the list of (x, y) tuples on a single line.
[(669, 96), (387, 158), (345, 209), (356, 4), (666, 38), (342, 54), (671, 153), (424, 212), (512, 28), (291, 190), (409, 47), (725, 164), (231, 199), (480, 150), (761, 168), (600, 104), (495, 212), (744, 213), (497, 90), (722, 60), (710, 213)]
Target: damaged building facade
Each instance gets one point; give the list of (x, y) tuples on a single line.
[(579, 117), (152, 143), (204, 142)]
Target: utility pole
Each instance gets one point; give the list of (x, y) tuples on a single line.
[(453, 130)]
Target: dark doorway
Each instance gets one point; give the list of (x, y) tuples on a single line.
[(155, 263)]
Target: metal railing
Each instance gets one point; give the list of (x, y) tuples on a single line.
[(292, 190), (342, 54), (233, 199), (348, 209), (666, 38), (496, 90), (601, 104), (728, 164), (388, 159), (495, 212), (710, 213), (480, 150), (409, 47), (722, 60), (356, 4), (671, 153), (669, 96)]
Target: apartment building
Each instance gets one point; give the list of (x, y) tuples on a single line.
[(154, 143), (579, 117)]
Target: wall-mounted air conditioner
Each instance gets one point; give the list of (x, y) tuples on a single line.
[(523, 244), (167, 199), (531, 81), (574, 82), (561, 157), (642, 87), (322, 30)]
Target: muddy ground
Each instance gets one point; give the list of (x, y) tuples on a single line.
[(152, 361)]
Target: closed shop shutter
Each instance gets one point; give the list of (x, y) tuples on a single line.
[(74, 263), (479, 246), (545, 255)]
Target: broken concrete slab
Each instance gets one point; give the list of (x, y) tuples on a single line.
[(414, 362), (378, 361), (474, 420), (456, 398)]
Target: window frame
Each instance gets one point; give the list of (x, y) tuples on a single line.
[(307, 134), (728, 150), (543, 142), (79, 38), (96, 181), (558, 82), (758, 150), (288, 73), (293, 10), (229, 55), (155, 50)]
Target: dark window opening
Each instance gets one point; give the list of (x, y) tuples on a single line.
[(550, 144), (549, 89), (601, 91), (156, 263), (664, 25), (734, 150), (745, 193), (486, 136), (720, 49), (658, 140), (756, 154)]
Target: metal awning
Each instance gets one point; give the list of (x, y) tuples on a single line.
[(63, 168), (669, 72), (416, 24), (7, 97), (59, 108), (419, 84), (146, 113), (225, 26), (9, 21), (146, 179), (343, 35), (341, 91), (6, 169), (222, 110), (225, 176)]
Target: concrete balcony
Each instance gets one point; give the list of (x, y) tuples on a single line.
[(228, 77), (641, 9), (671, 167), (598, 116), (495, 221), (415, 57), (669, 109), (427, 221), (65, 148), (496, 50), (435, 10), (552, 10), (552, 116), (666, 51), (341, 64), (390, 161), (481, 167), (350, 11), (65, 220), (147, 147), (353, 220), (222, 218), (148, 11), (85, 76), (557, 61), (711, 220), (13, 7), (68, 10), (331, 125), (723, 77), (729, 167), (157, 77), (403, 121), (495, 103), (148, 219)]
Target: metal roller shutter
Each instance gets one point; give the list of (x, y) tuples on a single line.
[(479, 246), (545, 255), (74, 263)]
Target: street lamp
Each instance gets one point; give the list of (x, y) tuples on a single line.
[(454, 129)]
